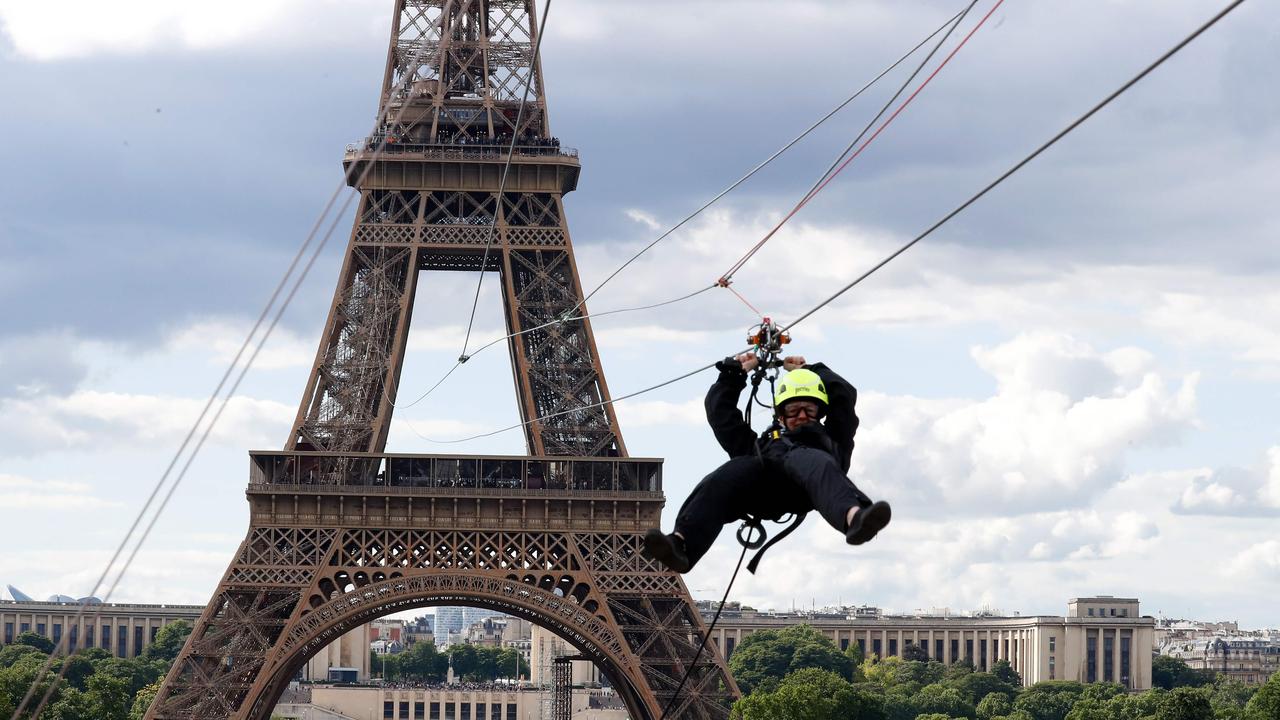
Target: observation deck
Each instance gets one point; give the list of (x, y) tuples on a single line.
[(320, 489), (543, 167)]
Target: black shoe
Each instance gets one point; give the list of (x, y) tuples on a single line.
[(666, 549), (867, 522)]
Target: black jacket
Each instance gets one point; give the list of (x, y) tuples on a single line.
[(835, 434)]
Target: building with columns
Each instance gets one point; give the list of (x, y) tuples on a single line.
[(1101, 639), (123, 630)]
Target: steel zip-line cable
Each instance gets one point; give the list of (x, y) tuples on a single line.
[(1024, 161), (1106, 101), (842, 162), (569, 314), (414, 64), (770, 159), (949, 216), (552, 323), (535, 68)]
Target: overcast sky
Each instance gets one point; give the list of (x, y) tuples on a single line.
[(1069, 390)]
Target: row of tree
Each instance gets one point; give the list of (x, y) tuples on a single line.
[(799, 674), (423, 662), (95, 684)]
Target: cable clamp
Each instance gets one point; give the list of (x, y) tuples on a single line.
[(724, 282), (462, 359)]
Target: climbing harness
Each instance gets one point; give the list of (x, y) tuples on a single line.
[(766, 341)]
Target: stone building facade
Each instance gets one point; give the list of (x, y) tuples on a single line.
[(1100, 639), (123, 630)]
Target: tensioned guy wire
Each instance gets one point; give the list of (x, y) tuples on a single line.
[(569, 315), (379, 148), (543, 326), (949, 216), (535, 67)]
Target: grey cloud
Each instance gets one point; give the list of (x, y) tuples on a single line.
[(126, 220), (43, 363)]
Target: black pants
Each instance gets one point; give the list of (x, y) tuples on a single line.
[(786, 480)]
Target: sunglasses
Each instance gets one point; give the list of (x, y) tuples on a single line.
[(794, 410)]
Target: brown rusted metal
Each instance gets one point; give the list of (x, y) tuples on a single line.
[(341, 533)]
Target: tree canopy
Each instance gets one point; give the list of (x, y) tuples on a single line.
[(764, 658)]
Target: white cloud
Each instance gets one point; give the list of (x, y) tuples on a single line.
[(642, 413), (644, 218), (1055, 434), (22, 493), (100, 420), (1260, 562), (221, 340), (1239, 317)]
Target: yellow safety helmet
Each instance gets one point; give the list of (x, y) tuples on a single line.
[(801, 384)]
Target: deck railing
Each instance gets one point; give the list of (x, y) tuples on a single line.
[(456, 472)]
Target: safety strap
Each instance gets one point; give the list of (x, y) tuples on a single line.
[(757, 538)]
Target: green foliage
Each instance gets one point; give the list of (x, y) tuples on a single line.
[(994, 705), (765, 658), (1229, 698), (110, 696), (959, 669), (1003, 670), (1050, 700), (915, 653), (1185, 703), (977, 685), (422, 661), (1088, 708), (1170, 672), (1265, 703), (811, 694), (941, 699), (142, 701), (11, 653), (169, 641), (855, 654), (933, 716), (1102, 692), (39, 642)]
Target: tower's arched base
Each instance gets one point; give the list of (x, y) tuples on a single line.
[(292, 590)]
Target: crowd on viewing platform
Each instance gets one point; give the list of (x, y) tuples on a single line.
[(497, 146), (598, 474)]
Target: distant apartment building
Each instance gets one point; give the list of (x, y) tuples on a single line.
[(1247, 659), (498, 631), (121, 629), (1101, 639), (420, 629), (389, 629)]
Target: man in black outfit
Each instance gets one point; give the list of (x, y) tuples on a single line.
[(797, 465)]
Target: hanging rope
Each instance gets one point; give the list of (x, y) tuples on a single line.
[(703, 645)]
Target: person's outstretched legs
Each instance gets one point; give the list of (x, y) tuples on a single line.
[(729, 493), (834, 496)]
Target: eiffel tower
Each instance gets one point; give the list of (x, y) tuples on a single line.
[(342, 532)]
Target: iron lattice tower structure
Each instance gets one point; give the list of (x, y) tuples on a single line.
[(342, 532)]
